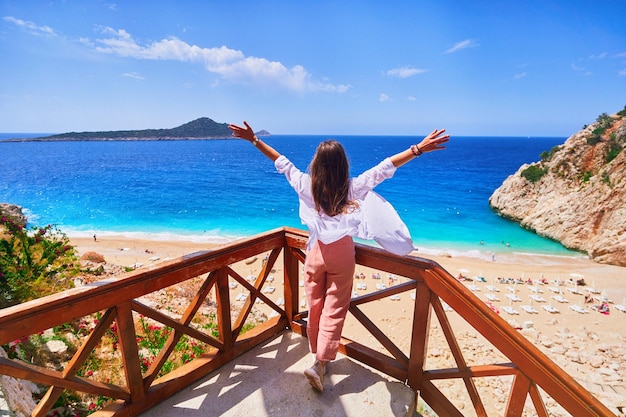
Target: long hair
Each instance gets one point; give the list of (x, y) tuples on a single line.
[(330, 178)]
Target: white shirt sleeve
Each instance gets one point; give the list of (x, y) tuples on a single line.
[(374, 219)]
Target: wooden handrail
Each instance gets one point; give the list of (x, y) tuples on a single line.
[(117, 302)]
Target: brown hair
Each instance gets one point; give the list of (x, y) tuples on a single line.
[(330, 178)]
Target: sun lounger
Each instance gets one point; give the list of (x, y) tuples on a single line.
[(578, 309), (592, 290), (554, 289), (620, 308), (560, 299), (473, 288), (511, 289), (550, 309), (492, 297), (492, 288), (510, 310), (513, 297), (574, 290), (395, 297), (535, 289), (537, 298), (529, 309), (269, 290)]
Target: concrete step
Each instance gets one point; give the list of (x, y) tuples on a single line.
[(269, 381)]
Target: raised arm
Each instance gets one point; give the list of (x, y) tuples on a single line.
[(248, 134), (433, 142)]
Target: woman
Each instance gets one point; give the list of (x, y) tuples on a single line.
[(336, 208)]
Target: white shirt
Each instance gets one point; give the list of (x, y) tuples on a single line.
[(375, 218)]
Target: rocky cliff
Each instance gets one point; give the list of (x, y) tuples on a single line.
[(13, 212), (576, 194)]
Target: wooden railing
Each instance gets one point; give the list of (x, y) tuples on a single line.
[(116, 301)]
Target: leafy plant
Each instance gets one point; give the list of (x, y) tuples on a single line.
[(33, 264), (534, 173), (547, 156), (614, 149), (586, 176)]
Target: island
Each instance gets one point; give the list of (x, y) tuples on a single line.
[(199, 129)]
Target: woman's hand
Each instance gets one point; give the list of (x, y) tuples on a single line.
[(248, 134), (242, 132), (433, 141)]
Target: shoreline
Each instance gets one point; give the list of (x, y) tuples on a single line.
[(209, 238), (129, 251)]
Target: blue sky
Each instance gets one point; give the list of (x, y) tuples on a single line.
[(538, 68)]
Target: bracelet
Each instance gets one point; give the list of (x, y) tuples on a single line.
[(416, 150), (255, 141)]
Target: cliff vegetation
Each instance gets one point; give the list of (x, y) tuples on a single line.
[(576, 193)]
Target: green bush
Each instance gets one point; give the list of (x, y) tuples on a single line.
[(594, 139), (534, 173), (614, 149), (546, 156), (34, 264)]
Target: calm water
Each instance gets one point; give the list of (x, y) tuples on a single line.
[(217, 190)]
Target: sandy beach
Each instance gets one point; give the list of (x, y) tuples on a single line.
[(586, 343), (607, 280)]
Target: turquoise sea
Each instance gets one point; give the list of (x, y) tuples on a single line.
[(219, 190)]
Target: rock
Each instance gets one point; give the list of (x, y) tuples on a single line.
[(596, 361), (13, 212), (55, 346), (573, 356), (579, 199), (18, 393)]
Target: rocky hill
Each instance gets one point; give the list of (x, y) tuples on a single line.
[(576, 194), (202, 128)]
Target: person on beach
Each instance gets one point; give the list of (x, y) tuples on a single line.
[(336, 208)]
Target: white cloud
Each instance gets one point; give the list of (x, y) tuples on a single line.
[(467, 43), (520, 75), (411, 98), (383, 98), (232, 65), (581, 70), (405, 72), (31, 26), (134, 75), (622, 73), (599, 56)]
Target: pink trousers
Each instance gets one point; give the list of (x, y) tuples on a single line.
[(329, 273)]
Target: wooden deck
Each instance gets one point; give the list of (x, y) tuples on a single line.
[(532, 375), (267, 381)]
